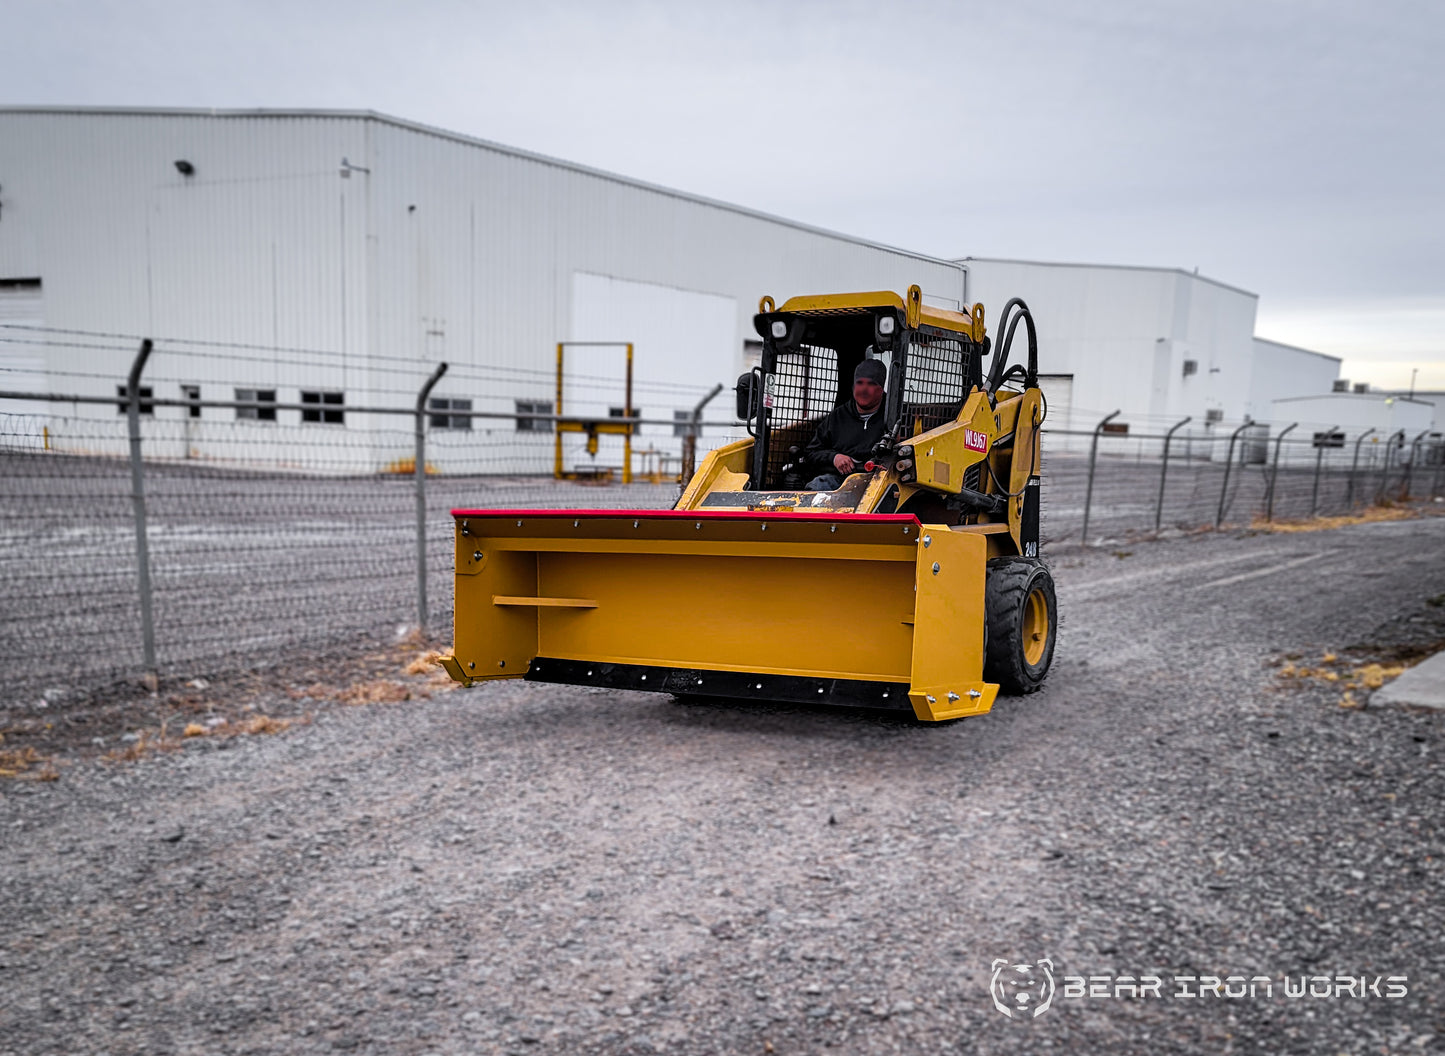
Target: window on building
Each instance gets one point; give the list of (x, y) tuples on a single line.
[(192, 395), (1214, 414), (449, 421), (533, 425), (752, 354), (320, 406), (256, 414), (681, 422), (617, 412), (146, 407), (1191, 367)]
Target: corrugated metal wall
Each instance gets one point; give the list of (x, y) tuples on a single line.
[(277, 265), (1283, 371), (1125, 334)]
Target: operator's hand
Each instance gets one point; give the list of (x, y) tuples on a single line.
[(843, 463)]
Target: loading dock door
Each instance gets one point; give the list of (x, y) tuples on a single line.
[(22, 351), (1058, 390), (684, 342)]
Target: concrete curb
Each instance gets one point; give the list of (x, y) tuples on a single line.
[(1422, 686)]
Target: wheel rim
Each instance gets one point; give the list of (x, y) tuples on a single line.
[(1036, 627)]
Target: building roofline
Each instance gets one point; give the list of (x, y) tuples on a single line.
[(965, 261), (1373, 394), (1297, 348), (485, 144)]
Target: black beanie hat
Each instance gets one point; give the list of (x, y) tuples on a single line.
[(872, 369)]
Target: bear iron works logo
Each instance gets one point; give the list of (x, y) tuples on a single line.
[(1025, 990)]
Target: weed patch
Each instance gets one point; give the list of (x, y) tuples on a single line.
[(1372, 515)]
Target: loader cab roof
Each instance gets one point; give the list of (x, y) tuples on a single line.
[(862, 303)]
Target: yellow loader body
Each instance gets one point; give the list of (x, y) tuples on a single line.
[(914, 584)]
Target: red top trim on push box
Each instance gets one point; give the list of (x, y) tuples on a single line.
[(706, 515)]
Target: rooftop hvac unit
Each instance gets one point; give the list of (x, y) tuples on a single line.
[(1362, 386), (1341, 385)]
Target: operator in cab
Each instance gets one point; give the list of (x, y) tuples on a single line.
[(846, 437)]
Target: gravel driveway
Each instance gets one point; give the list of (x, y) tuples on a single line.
[(532, 868)]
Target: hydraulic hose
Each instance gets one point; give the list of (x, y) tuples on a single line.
[(1014, 312)]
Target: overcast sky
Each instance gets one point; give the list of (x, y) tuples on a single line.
[(1294, 149)]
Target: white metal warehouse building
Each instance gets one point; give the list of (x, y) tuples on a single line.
[(340, 256), (1156, 344)]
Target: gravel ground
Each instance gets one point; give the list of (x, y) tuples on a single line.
[(532, 868)]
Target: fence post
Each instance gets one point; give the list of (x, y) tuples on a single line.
[(1439, 462), (1354, 465), (1274, 474), (1397, 437), (1164, 470), (1089, 491), (138, 505), (1319, 456), (1229, 465), (1410, 468), (420, 468), (689, 442)]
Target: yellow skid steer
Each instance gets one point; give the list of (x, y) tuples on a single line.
[(916, 583)]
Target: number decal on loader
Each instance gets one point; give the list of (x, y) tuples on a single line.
[(975, 440)]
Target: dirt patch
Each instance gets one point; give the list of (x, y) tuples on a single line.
[(125, 721)]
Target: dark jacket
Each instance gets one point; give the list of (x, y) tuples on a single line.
[(843, 431)]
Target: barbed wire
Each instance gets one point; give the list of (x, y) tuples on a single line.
[(375, 363)]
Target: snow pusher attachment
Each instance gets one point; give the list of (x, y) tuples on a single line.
[(867, 610), (915, 582)]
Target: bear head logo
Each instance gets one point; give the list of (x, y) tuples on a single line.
[(1025, 990)]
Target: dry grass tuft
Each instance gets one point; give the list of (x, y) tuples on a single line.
[(1369, 676), (264, 724), (425, 664), (380, 691), (1373, 676), (1322, 524), (146, 741), (26, 764)]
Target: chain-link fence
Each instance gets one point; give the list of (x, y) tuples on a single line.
[(1115, 484), (188, 536), (182, 535)]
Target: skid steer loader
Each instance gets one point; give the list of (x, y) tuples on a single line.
[(916, 585)]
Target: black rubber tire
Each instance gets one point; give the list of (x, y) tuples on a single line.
[(1008, 588)]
